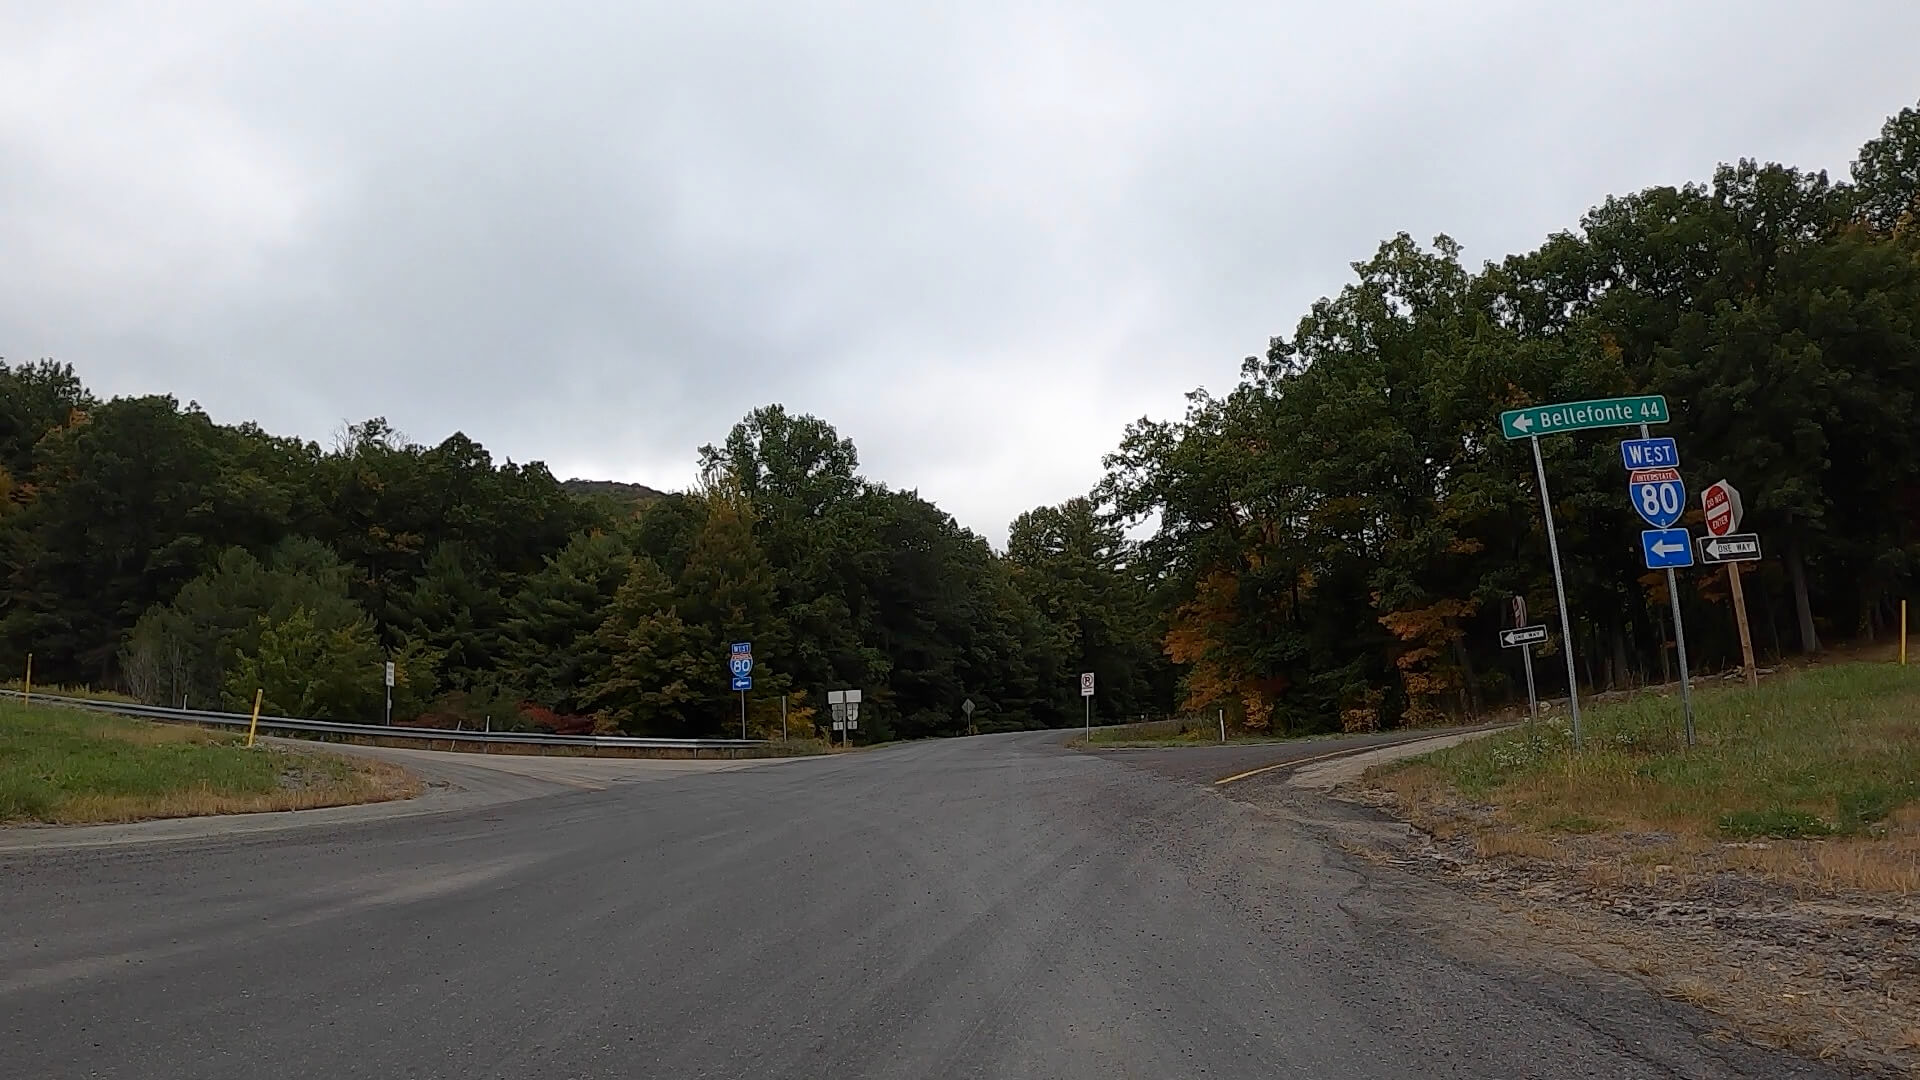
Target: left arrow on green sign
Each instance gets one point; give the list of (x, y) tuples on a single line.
[(1580, 415)]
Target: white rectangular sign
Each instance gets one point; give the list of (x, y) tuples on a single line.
[(389, 673), (1523, 635), (1086, 684)]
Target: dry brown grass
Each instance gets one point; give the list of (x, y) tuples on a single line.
[(1496, 841), (1697, 992), (1887, 864), (365, 781)]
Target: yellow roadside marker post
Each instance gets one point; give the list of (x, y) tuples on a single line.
[(255, 722)]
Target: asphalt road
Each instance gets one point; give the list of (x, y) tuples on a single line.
[(996, 907)]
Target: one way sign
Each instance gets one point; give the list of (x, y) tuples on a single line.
[(1523, 635), (1734, 547)]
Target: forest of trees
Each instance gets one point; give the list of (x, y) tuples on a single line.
[(1330, 544), (1336, 536), (149, 549)]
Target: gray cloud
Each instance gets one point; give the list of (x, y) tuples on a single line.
[(977, 237)]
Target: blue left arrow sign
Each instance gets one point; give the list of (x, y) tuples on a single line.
[(1666, 549)]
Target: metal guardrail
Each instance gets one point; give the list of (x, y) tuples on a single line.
[(288, 723)]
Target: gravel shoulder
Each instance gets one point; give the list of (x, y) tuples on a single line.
[(1827, 974)]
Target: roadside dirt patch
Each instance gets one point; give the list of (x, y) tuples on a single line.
[(1807, 945)]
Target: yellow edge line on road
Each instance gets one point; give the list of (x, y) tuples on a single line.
[(1323, 757), (1292, 762)]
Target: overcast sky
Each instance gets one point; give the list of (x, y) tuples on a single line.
[(979, 237)]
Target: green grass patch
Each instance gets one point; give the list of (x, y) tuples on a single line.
[(1778, 822), (71, 765), (1830, 750)]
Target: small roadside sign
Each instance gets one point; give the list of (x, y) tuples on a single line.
[(1658, 495), (743, 682), (740, 659), (1724, 546), (1666, 549), (845, 705), (1722, 504), (1523, 635), (1734, 547), (390, 673), (967, 706), (1086, 684), (1539, 420), (1649, 454)]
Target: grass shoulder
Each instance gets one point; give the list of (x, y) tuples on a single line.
[(1814, 775), (1769, 874), (72, 766)]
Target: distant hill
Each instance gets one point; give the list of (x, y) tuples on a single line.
[(611, 489)]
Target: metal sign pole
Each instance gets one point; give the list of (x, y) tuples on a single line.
[(1680, 646), (743, 714), (1560, 591), (783, 718), (1533, 699), (1679, 639)]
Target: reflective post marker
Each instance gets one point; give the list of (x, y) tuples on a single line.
[(1560, 591), (26, 695), (254, 724), (1223, 725)]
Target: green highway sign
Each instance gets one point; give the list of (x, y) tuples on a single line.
[(1580, 415)]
